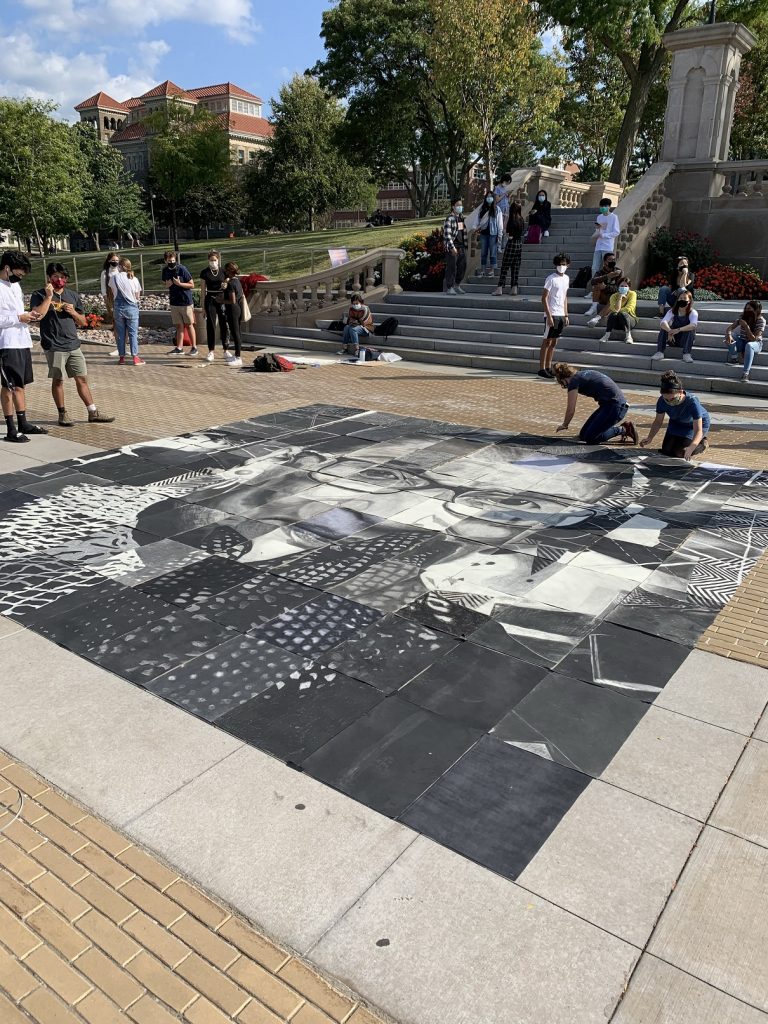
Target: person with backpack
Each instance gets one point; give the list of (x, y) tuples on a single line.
[(608, 420), (539, 219), (359, 325), (455, 242), (513, 250), (554, 299), (744, 336), (689, 421), (490, 227)]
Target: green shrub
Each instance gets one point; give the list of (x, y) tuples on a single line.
[(665, 246)]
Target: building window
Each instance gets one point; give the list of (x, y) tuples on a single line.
[(395, 204), (241, 107), (252, 155), (241, 156), (396, 186)]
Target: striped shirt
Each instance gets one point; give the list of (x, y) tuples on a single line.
[(454, 233)]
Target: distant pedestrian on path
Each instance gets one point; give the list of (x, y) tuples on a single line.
[(689, 421), (213, 285), (15, 348), (126, 291), (513, 250), (744, 336), (554, 299), (605, 423), (678, 327), (233, 310), (61, 313), (622, 314), (180, 287), (359, 326), (607, 230), (455, 242), (680, 280)]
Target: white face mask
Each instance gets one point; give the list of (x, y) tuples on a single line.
[(213, 264), (623, 290), (542, 197), (561, 268), (357, 305)]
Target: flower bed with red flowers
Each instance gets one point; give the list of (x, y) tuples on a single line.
[(731, 283), (93, 321)]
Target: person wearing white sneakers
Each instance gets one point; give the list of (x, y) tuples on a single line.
[(678, 324), (455, 241), (127, 292), (607, 230), (490, 227), (513, 250), (603, 285), (623, 313), (213, 282), (233, 308)]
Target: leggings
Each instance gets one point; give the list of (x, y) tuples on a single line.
[(214, 309), (234, 314), (510, 262), (674, 446), (604, 422), (620, 322)]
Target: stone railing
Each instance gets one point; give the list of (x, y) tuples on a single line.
[(572, 194), (645, 208), (743, 178)]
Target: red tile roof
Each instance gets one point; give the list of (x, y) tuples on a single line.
[(225, 89), (129, 133), (101, 99), (134, 101), (244, 124), (166, 88)]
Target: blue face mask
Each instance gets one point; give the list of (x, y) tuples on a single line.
[(459, 209), (489, 199)]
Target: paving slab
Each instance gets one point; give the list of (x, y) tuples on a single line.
[(717, 690), (116, 748), (12, 460), (613, 860), (743, 806), (285, 850), (761, 732), (715, 926), (677, 761), (438, 940), (9, 626), (661, 994)]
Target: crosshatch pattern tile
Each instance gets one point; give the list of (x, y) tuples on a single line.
[(458, 627)]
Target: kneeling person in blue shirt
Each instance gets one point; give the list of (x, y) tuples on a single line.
[(606, 421), (689, 421)]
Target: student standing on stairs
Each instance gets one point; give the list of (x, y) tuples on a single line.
[(623, 313), (540, 217), (679, 323), (605, 422), (513, 250), (554, 299), (607, 230), (455, 241), (491, 230), (744, 336), (689, 421)]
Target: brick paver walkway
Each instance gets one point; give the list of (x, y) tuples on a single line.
[(94, 930)]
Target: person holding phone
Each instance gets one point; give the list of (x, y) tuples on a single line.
[(180, 286), (15, 348)]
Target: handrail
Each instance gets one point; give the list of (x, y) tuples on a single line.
[(643, 209)]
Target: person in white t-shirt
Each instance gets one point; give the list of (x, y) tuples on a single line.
[(554, 299), (607, 230), (15, 348), (678, 327), (127, 292)]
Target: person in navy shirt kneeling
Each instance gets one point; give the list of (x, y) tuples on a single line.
[(605, 422), (689, 421)]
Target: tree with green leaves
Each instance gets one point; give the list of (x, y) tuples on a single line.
[(42, 172), (749, 138), (632, 30), (486, 60), (304, 171), (188, 149), (221, 202), (113, 201)]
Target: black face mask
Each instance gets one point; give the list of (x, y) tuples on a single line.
[(611, 264), (14, 278)]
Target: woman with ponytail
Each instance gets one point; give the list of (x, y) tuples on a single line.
[(689, 421)]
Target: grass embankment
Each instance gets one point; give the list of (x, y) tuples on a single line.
[(278, 256)]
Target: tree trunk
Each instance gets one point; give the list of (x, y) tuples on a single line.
[(174, 227), (38, 239), (311, 218), (630, 126)]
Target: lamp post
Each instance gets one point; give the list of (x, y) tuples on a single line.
[(152, 198), (713, 12)]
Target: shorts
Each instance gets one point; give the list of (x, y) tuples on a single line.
[(16, 367), (182, 315), (72, 363), (557, 328)]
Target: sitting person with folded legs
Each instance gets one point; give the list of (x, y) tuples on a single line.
[(689, 421), (623, 313), (605, 422), (744, 336), (678, 327), (359, 325), (603, 285)]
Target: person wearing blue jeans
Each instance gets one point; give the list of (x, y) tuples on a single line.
[(744, 336), (680, 280), (126, 291), (605, 422), (491, 230), (359, 326), (679, 323)]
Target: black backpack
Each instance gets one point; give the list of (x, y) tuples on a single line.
[(270, 363), (336, 325), (387, 326), (583, 278)]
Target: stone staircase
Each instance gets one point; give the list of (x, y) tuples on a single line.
[(488, 332)]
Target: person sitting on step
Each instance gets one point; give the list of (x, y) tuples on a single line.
[(678, 324), (359, 325), (689, 421), (623, 313), (744, 336), (603, 284), (680, 279), (605, 422)]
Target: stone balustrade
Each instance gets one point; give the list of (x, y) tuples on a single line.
[(743, 178), (645, 208), (572, 194)]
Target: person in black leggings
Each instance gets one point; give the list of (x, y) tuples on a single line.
[(213, 282), (234, 312)]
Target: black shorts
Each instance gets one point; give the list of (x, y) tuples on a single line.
[(557, 328), (15, 367)]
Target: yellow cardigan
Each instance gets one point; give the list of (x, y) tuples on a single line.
[(630, 303)]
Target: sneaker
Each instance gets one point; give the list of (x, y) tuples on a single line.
[(745, 376), (513, 290), (228, 357), (16, 438), (628, 339), (491, 272), (138, 361), (544, 374), (235, 361), (176, 352), (550, 373), (592, 309), (687, 358), (121, 361), (594, 322), (192, 352), (656, 356), (605, 337), (546, 234), (450, 291), (341, 352), (460, 291), (64, 420), (100, 417), (209, 358), (497, 291), (630, 432), (32, 428)]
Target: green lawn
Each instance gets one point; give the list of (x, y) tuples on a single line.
[(278, 256)]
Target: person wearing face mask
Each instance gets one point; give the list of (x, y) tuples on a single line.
[(689, 421), (110, 268), (680, 280), (604, 283), (554, 299), (359, 325), (61, 313), (180, 286), (15, 348), (678, 324), (540, 218), (513, 250), (490, 227), (455, 242), (213, 286), (607, 230), (744, 337), (607, 421), (623, 313)]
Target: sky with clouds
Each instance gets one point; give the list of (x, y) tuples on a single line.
[(69, 50)]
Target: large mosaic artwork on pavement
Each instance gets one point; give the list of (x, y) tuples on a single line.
[(457, 627)]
